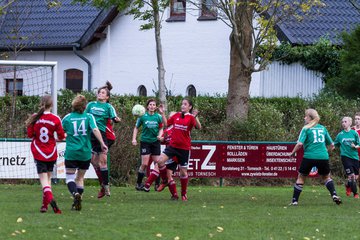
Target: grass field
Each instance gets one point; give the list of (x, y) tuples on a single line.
[(210, 213)]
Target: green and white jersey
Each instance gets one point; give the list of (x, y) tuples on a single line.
[(150, 127), (78, 128), (344, 140), (314, 141), (102, 112)]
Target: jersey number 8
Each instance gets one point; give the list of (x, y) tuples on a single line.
[(44, 136)]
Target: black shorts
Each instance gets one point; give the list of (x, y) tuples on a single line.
[(110, 143), (150, 148), (44, 167), (77, 164), (351, 166), (181, 154), (307, 164), (96, 147), (171, 165)]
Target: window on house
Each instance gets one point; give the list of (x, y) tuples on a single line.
[(191, 91), (142, 91), (18, 86), (74, 80), (177, 11), (208, 10)]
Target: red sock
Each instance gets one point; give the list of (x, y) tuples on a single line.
[(153, 176), (47, 195), (163, 173), (172, 188), (98, 174), (184, 182)]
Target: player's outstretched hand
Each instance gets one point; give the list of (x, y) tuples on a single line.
[(195, 112), (117, 119), (104, 148), (161, 109)]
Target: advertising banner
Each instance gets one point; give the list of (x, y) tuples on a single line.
[(247, 159), (207, 159), (17, 162)]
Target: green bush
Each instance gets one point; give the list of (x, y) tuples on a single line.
[(270, 119)]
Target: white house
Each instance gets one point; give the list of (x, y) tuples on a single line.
[(92, 46)]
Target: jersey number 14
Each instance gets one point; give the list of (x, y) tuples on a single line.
[(81, 129)]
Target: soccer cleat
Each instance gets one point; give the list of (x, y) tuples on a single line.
[(174, 197), (336, 199), (107, 190), (162, 186), (348, 191), (293, 203), (43, 209), (146, 189), (356, 195), (55, 207), (77, 202), (139, 187), (184, 198), (101, 193)]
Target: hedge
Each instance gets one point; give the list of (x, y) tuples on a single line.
[(270, 119)]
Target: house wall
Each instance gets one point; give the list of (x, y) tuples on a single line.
[(195, 53)]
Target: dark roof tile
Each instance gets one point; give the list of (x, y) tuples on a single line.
[(49, 28), (332, 19)]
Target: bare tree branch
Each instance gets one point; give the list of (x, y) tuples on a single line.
[(355, 4)]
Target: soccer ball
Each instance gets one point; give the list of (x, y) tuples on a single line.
[(138, 110)]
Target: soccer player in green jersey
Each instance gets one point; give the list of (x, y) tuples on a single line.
[(151, 132), (348, 141), (102, 111), (78, 127), (314, 138)]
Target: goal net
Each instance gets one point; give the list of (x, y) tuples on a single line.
[(22, 83)]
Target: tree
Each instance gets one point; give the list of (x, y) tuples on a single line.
[(355, 4), (347, 82), (152, 12), (16, 38), (3, 5), (252, 42)]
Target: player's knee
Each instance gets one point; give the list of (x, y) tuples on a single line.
[(351, 177), (70, 177)]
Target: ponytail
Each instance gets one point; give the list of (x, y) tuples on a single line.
[(35, 117), (45, 103), (315, 118)]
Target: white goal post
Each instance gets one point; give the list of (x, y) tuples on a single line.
[(51, 64), (22, 83)]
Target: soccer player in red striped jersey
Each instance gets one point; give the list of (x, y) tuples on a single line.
[(180, 144), (171, 164), (41, 128)]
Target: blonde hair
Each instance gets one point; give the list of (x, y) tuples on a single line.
[(348, 118), (314, 116)]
